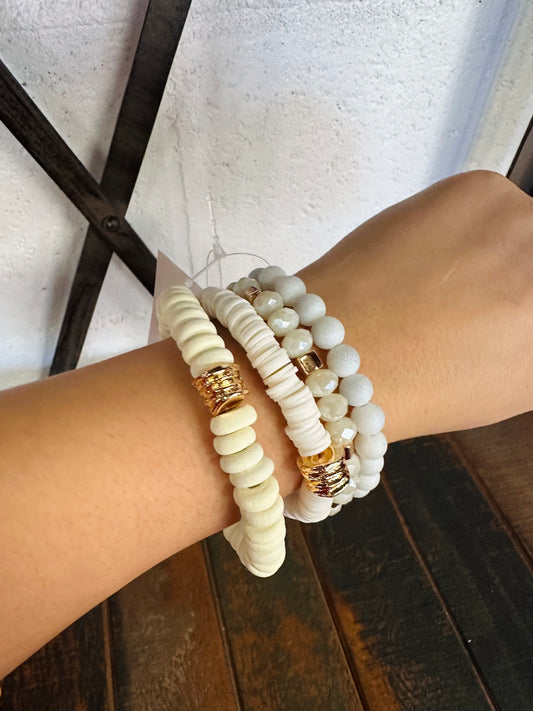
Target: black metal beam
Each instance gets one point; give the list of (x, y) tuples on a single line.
[(158, 42)]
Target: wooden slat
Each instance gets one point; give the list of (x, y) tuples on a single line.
[(167, 647), (159, 38), (70, 672), (283, 643), (26, 122), (502, 456), (403, 647), (481, 574)]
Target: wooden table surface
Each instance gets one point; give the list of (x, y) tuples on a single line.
[(419, 597)]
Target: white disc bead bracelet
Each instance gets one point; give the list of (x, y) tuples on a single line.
[(259, 537), (283, 302), (322, 465)]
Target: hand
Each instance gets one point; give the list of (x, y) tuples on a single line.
[(436, 294)]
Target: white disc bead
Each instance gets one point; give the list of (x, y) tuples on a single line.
[(238, 462), (327, 332), (200, 343), (274, 532), (264, 518), (209, 359), (309, 308), (257, 498), (369, 419), (290, 288), (370, 446), (233, 420), (254, 475), (343, 360), (357, 389), (193, 328), (234, 441), (266, 302)]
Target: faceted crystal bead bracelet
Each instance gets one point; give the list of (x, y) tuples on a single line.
[(259, 537), (286, 306)]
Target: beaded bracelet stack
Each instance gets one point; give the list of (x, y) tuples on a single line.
[(340, 456), (259, 537)]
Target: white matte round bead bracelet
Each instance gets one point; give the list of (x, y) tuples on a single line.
[(259, 537), (283, 302), (322, 465)]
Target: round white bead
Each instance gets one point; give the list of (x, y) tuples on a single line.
[(209, 359), (370, 446), (266, 302), (255, 273), (359, 493), (281, 321), (369, 419), (354, 466), (332, 407), (322, 381), (327, 332), (297, 342), (245, 283), (343, 360), (342, 431), (357, 389), (290, 288), (200, 343), (193, 328), (369, 467), (234, 441), (246, 459), (233, 420), (309, 308), (254, 475), (268, 276), (257, 498), (367, 483)]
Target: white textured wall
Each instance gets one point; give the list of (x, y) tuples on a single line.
[(301, 119)]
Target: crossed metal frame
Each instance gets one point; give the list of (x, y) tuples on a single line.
[(104, 205)]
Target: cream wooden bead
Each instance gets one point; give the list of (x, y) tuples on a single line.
[(258, 498), (266, 517), (254, 475), (209, 359), (234, 441), (192, 328), (179, 316), (238, 462), (233, 420), (200, 343)]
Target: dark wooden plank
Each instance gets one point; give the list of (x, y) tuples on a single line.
[(479, 570), (168, 653), (70, 672), (403, 647), (158, 41), (502, 456), (282, 639), (521, 170), (26, 122)]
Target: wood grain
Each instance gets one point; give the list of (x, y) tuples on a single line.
[(502, 457), (168, 653), (478, 569), (70, 673), (402, 646), (283, 642)]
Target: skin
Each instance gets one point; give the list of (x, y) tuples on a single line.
[(110, 469)]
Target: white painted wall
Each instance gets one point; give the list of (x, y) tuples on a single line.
[(301, 119)]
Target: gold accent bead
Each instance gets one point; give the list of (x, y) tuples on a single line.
[(308, 362), (222, 388), (326, 473), (250, 293)]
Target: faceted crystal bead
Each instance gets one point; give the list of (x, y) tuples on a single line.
[(332, 407), (322, 382), (266, 302), (344, 360), (281, 321), (327, 332), (297, 342), (342, 431)]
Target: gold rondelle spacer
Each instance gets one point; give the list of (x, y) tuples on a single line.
[(222, 388)]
